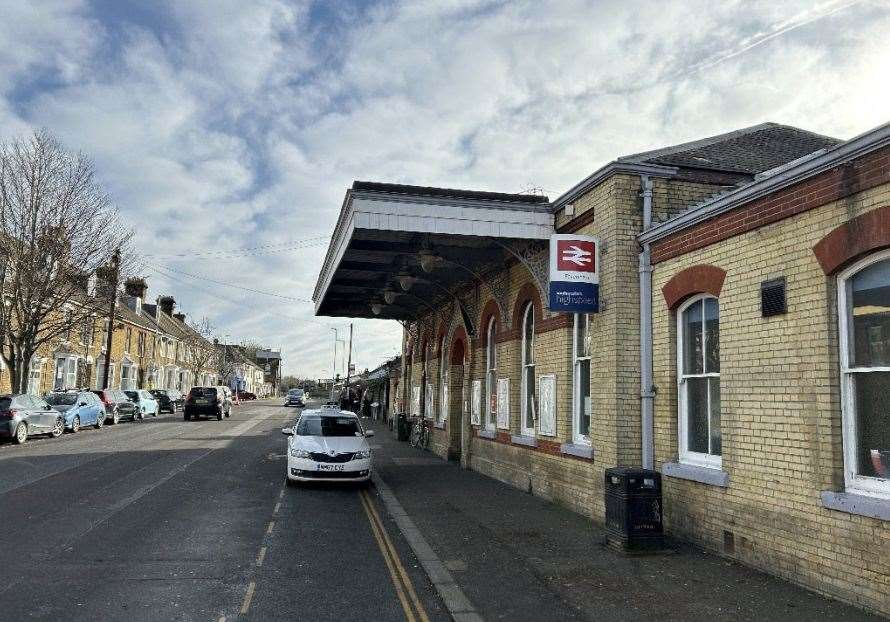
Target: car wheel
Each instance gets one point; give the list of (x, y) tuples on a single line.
[(21, 434), (100, 421), (219, 415), (58, 428), (75, 425)]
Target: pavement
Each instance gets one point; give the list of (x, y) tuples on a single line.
[(517, 557), (174, 520)]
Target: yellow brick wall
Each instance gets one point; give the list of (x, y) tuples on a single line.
[(781, 415)]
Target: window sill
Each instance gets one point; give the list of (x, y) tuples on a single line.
[(487, 434), (528, 441), (439, 425), (579, 451), (853, 503), (703, 475)]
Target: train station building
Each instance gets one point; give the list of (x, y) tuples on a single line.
[(740, 343)]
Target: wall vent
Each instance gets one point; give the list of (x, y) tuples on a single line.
[(772, 297)]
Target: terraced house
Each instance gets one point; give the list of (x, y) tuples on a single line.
[(737, 346), (146, 350)]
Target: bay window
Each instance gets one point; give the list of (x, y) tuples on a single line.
[(698, 352), (528, 371), (864, 312), (581, 400)]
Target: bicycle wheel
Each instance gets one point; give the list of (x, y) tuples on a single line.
[(414, 438)]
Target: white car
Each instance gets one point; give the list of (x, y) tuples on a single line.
[(328, 445)]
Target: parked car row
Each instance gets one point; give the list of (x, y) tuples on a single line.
[(24, 415)]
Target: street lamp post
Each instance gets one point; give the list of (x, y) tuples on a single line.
[(334, 367)]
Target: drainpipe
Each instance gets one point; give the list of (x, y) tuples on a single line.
[(647, 390)]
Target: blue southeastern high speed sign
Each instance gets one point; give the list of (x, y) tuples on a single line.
[(574, 273)]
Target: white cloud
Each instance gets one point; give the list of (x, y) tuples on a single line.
[(229, 125)]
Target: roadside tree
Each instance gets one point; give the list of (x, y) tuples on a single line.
[(58, 228)]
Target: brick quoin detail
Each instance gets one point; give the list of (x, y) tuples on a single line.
[(862, 235), (842, 181), (701, 279)]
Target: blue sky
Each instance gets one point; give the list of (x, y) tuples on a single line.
[(224, 125)]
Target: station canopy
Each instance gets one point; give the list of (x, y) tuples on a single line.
[(399, 251)]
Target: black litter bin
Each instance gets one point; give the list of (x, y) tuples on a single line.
[(633, 509), (402, 428)]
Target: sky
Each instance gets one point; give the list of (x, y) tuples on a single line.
[(227, 131)]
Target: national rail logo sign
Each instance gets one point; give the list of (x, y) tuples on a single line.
[(574, 274)]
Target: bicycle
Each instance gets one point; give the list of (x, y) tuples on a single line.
[(420, 434)]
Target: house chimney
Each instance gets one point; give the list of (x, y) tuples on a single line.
[(167, 304), (180, 316), (104, 277), (136, 287)]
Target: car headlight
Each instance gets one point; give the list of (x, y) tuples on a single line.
[(299, 453), (362, 455)]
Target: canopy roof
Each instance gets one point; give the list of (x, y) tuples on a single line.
[(389, 235)]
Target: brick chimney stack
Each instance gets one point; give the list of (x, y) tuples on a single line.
[(136, 287), (180, 316), (167, 304)]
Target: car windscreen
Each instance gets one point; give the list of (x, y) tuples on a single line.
[(209, 392), (133, 395), (61, 399), (328, 426)]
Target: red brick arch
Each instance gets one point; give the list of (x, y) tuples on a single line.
[(858, 236), (700, 279), (528, 293), (490, 310)]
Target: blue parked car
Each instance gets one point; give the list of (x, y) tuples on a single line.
[(79, 408), (146, 404)]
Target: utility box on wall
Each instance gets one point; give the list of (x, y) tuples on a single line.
[(633, 509)]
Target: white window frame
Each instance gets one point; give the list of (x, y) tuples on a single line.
[(133, 369), (442, 411), (491, 372), (577, 437), (686, 456), (872, 486), (528, 313), (35, 376)]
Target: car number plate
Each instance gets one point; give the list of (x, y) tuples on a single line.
[(330, 467), (200, 401)]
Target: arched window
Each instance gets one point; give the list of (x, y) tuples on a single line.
[(491, 369), (698, 365), (528, 371), (581, 401), (442, 412), (864, 313)]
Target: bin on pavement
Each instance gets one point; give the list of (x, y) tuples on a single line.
[(633, 509), (402, 427)]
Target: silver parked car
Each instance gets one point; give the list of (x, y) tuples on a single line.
[(25, 415)]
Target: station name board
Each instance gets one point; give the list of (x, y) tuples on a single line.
[(574, 274)]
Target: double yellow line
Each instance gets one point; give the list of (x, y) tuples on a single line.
[(400, 579)]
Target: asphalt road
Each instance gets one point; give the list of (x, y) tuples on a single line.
[(174, 520)]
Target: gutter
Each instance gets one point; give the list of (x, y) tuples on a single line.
[(855, 147), (612, 168)]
